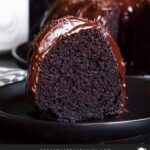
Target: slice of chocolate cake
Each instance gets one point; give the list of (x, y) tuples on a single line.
[(76, 72)]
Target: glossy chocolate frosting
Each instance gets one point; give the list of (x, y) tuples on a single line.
[(64, 27), (130, 7), (97, 10), (103, 11), (129, 12)]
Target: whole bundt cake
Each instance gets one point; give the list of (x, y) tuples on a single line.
[(106, 12), (76, 72), (127, 20), (134, 35)]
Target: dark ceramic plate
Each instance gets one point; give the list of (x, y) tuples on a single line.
[(15, 111), (20, 54)]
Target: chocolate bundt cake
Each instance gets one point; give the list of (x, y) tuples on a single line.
[(76, 72), (106, 12), (134, 35), (127, 20)]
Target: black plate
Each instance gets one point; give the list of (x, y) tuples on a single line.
[(20, 54), (15, 110)]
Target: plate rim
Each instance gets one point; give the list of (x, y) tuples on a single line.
[(11, 116), (17, 57), (6, 116)]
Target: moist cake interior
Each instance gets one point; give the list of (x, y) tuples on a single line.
[(79, 79)]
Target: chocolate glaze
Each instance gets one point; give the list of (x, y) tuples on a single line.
[(97, 10), (63, 27), (92, 9), (129, 8), (130, 13)]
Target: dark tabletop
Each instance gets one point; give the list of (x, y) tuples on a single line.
[(16, 136)]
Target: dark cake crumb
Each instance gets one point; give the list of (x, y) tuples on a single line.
[(79, 79)]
